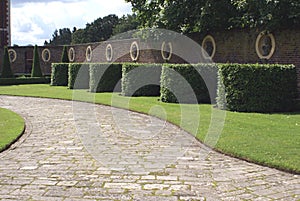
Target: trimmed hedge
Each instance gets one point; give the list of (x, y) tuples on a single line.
[(6, 67), (257, 88), (36, 66), (64, 55), (29, 80), (141, 79), (187, 83), (59, 74), (78, 76), (105, 77)]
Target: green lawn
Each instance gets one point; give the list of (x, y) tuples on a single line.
[(269, 139), (11, 126)]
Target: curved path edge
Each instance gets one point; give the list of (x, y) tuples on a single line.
[(20, 137)]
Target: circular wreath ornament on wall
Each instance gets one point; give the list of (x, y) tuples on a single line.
[(71, 54), (12, 55), (46, 55), (265, 45), (166, 51), (89, 53), (209, 46), (109, 52), (134, 51)]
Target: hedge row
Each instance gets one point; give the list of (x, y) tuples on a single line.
[(23, 80), (141, 79), (101, 77), (78, 76), (187, 83), (59, 74), (236, 87), (257, 88), (105, 77)]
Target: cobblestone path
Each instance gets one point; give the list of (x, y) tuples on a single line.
[(79, 151)]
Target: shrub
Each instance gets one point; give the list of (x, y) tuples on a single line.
[(187, 83), (59, 74), (36, 66), (24, 80), (141, 79), (6, 67), (78, 76), (64, 56), (257, 88), (105, 77)]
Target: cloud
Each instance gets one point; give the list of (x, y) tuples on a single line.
[(18, 3), (34, 21), (31, 30), (39, 1)]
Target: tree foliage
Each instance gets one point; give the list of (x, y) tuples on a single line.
[(79, 37), (61, 37), (99, 30), (126, 23), (268, 14), (210, 15)]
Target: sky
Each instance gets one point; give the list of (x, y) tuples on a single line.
[(34, 21)]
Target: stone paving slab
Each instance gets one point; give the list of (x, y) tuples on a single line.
[(81, 152)]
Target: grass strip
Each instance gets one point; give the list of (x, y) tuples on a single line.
[(11, 127)]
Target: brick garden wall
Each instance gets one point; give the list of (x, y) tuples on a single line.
[(24, 58), (238, 46), (121, 52), (235, 46)]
